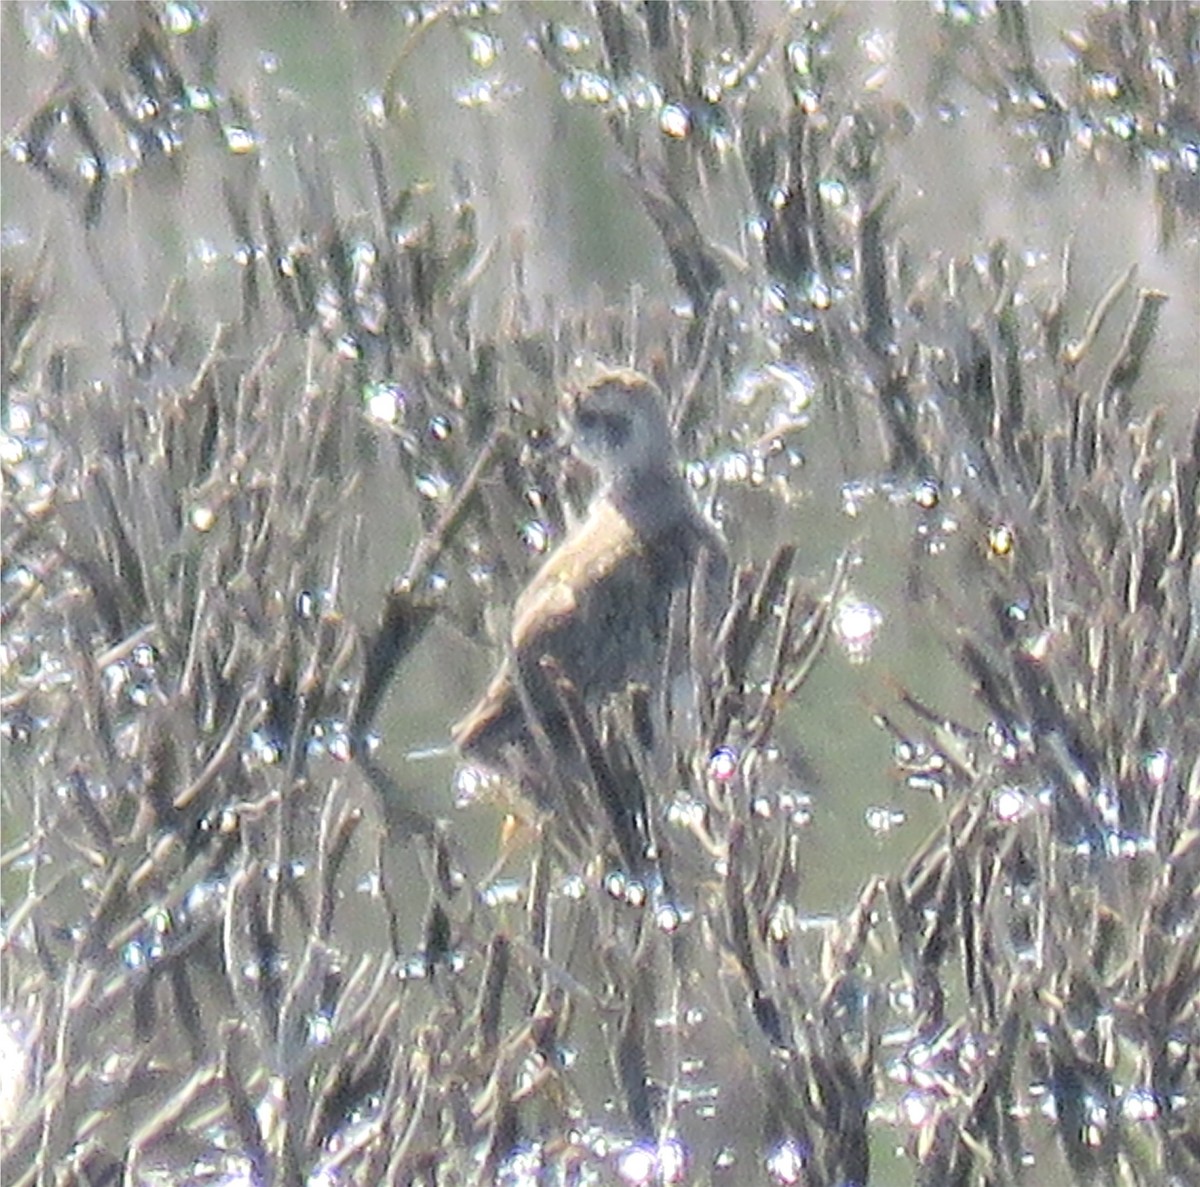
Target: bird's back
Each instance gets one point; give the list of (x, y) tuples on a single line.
[(598, 608)]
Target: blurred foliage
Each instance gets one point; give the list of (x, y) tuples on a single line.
[(238, 942)]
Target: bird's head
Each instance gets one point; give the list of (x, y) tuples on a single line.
[(618, 424)]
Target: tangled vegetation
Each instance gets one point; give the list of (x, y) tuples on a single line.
[(244, 937)]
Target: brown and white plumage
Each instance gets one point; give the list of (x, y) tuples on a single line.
[(598, 607)]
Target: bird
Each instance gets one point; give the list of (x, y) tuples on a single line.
[(596, 613)]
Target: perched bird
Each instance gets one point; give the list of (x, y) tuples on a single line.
[(597, 611)]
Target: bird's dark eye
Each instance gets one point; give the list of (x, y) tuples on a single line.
[(612, 428)]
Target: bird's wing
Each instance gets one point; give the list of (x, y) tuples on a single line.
[(603, 542), (594, 552)]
